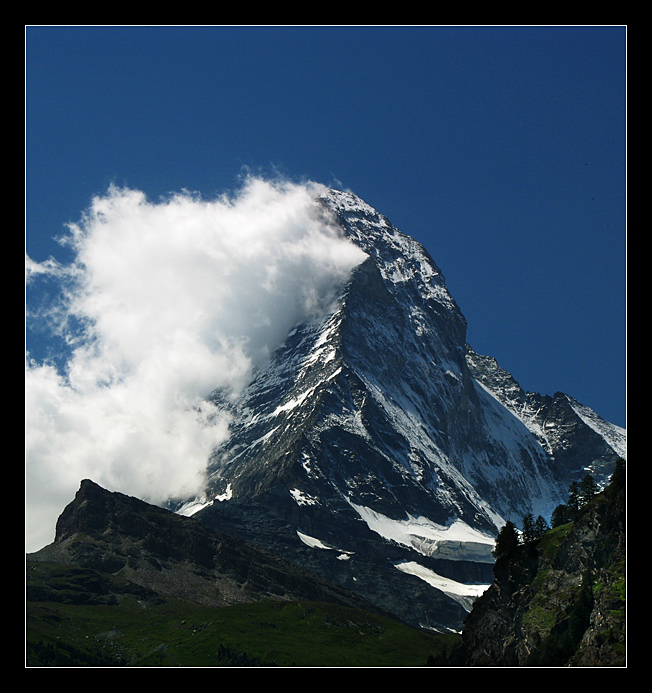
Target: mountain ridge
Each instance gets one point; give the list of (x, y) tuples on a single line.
[(129, 584), (175, 556), (377, 430)]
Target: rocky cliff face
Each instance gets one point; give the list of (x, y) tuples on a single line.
[(559, 601)]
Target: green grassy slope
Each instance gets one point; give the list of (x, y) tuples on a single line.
[(136, 633)]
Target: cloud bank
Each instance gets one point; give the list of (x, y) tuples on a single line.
[(163, 303)]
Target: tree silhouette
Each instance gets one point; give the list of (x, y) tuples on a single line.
[(574, 498), (540, 527), (534, 529), (617, 480), (507, 540), (588, 489), (529, 533), (560, 516)]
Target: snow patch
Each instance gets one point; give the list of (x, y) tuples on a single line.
[(315, 543), (192, 507), (299, 399), (456, 541), (293, 403), (462, 593), (301, 498), (227, 495), (614, 435)]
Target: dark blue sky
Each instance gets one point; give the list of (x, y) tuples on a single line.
[(502, 149)]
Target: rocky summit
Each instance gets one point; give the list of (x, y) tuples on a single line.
[(377, 450)]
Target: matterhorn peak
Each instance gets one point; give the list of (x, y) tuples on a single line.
[(379, 449)]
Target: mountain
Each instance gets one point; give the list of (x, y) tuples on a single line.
[(129, 584), (157, 552), (377, 450), (559, 600)]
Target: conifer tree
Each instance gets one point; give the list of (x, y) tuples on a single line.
[(574, 499), (528, 528), (507, 541), (560, 516), (617, 480), (588, 489), (540, 527)]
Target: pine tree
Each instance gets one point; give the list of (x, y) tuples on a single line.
[(588, 489), (528, 528), (507, 541), (574, 499), (540, 527), (560, 516), (617, 480), (534, 529)]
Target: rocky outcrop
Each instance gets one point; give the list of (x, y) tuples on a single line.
[(112, 535), (559, 601)]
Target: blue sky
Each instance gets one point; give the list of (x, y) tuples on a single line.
[(501, 149)]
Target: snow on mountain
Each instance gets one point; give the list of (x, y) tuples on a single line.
[(615, 436), (456, 541), (377, 448)]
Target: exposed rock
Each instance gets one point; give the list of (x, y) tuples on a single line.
[(112, 534), (559, 601), (376, 429)]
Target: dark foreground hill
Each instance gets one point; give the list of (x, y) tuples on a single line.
[(130, 584), (175, 556)]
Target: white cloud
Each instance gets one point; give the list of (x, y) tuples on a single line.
[(176, 298)]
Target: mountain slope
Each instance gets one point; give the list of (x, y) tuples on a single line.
[(160, 552), (129, 584), (559, 601), (379, 450)]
